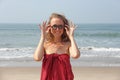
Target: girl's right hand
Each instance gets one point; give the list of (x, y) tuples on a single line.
[(44, 29)]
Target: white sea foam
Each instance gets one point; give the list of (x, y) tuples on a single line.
[(9, 53), (100, 49), (89, 56)]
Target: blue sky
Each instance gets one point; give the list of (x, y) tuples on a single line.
[(78, 11)]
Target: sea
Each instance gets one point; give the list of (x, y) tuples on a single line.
[(99, 45)]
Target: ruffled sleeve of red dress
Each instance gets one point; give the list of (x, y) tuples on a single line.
[(56, 67)]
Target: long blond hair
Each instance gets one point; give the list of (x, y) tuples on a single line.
[(64, 36)]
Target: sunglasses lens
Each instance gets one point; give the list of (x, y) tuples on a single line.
[(60, 27), (54, 26)]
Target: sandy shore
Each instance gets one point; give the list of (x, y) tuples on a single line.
[(80, 73)]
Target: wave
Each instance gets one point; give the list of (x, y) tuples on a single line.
[(27, 52), (10, 53), (29, 49), (26, 49), (99, 49), (15, 49), (100, 52), (107, 34)]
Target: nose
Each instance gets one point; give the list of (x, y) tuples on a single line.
[(57, 28)]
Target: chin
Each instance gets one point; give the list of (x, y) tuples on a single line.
[(57, 35)]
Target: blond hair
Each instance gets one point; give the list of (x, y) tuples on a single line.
[(64, 36)]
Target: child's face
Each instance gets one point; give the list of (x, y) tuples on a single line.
[(57, 27)]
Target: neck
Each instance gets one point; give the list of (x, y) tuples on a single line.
[(57, 39)]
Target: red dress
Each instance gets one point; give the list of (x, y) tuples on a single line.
[(56, 67)]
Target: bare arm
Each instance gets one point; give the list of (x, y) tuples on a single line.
[(39, 52), (73, 49)]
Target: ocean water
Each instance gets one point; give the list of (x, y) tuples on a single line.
[(99, 44)]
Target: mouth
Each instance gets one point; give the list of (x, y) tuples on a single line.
[(58, 32)]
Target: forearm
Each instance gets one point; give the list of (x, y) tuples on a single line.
[(74, 50), (39, 52)]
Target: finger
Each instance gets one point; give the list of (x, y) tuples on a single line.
[(67, 26), (72, 24), (66, 29), (48, 29), (48, 25), (39, 25), (44, 23)]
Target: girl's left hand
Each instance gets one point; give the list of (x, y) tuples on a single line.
[(70, 30)]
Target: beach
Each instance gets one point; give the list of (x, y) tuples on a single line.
[(99, 45), (80, 73)]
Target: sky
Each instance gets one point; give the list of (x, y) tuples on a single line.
[(78, 11)]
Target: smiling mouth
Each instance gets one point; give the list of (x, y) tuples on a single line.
[(56, 31)]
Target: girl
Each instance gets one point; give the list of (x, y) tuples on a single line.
[(55, 47)]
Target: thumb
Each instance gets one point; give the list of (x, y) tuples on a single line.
[(66, 29), (48, 29)]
